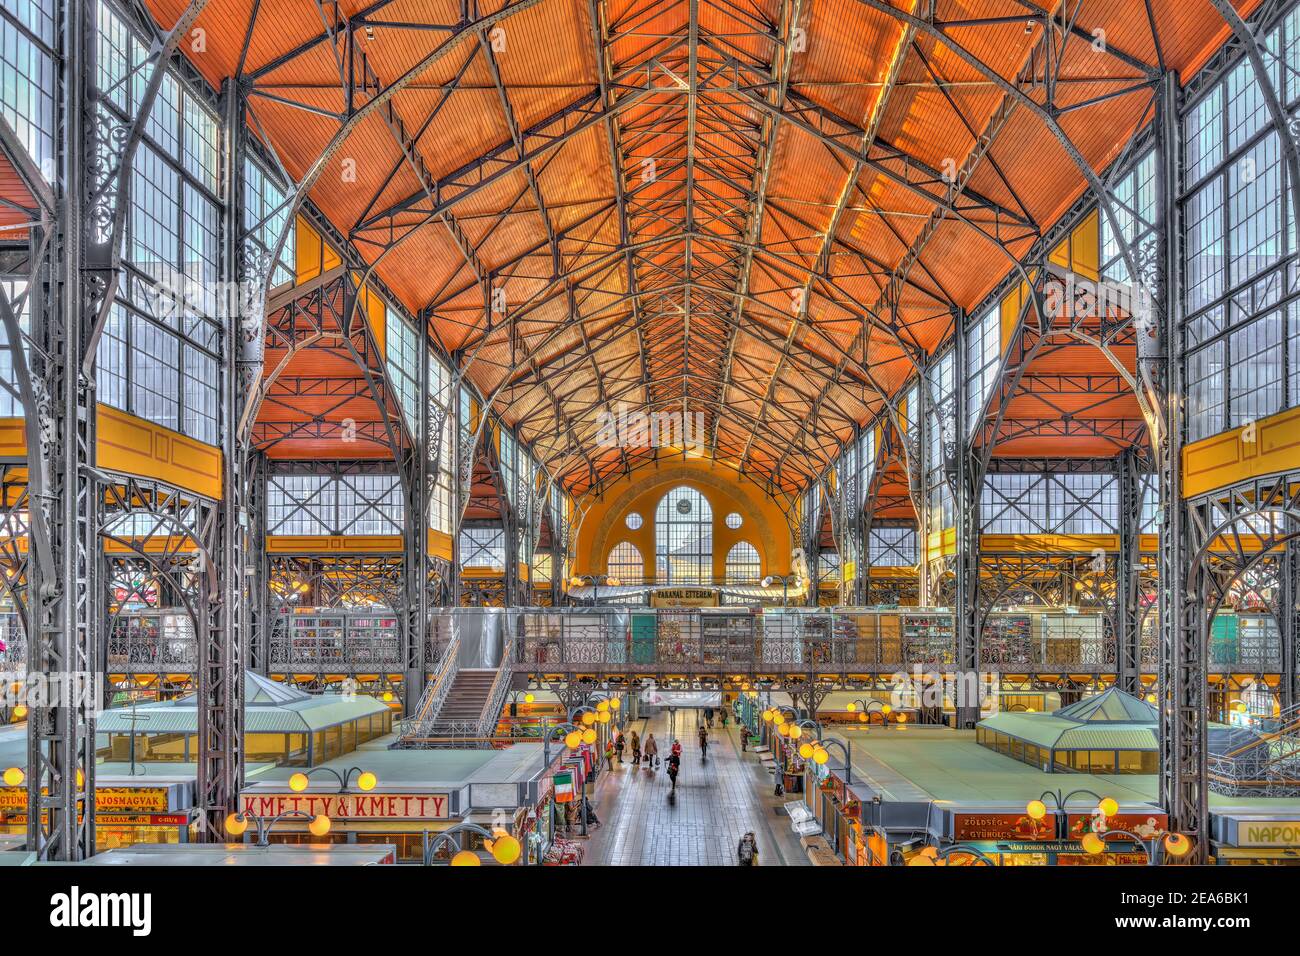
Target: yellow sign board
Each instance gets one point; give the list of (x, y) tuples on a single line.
[(684, 597), (1268, 833)]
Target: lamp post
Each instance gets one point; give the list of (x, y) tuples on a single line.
[(865, 708), (785, 580), (1037, 809), (1172, 845), (366, 780), (505, 849), (595, 580), (574, 737), (1175, 845), (237, 824), (815, 749)]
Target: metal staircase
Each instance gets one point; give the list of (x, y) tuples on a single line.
[(1266, 767), (461, 706)]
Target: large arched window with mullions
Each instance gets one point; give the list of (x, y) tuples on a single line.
[(625, 563), (684, 538), (743, 566)]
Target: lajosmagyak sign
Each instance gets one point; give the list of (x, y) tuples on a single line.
[(120, 799), (351, 806), (1268, 833)]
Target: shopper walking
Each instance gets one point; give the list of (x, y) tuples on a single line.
[(619, 744), (708, 716), (651, 749), (636, 749), (747, 850), (704, 743), (674, 765)]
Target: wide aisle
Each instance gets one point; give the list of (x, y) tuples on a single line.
[(716, 802)]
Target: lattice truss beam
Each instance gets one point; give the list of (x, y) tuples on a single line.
[(324, 376)]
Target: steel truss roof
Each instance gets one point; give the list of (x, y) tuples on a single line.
[(763, 213)]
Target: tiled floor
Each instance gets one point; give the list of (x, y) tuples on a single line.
[(716, 802)]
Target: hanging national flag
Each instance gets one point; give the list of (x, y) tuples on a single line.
[(564, 786)]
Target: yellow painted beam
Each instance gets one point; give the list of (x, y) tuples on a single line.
[(1048, 543), (334, 544)]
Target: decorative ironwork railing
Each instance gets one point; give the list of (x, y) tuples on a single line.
[(832, 640), (152, 641)]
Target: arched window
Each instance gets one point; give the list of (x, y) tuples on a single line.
[(742, 564), (625, 563), (684, 538)]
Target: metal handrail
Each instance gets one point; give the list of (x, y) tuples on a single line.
[(491, 712), (435, 694)]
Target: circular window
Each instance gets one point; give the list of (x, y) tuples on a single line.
[(683, 506), (633, 520), (734, 521)]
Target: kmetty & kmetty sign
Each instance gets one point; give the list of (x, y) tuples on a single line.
[(350, 806)]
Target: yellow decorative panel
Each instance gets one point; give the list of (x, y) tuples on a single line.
[(1085, 247), (1048, 543), (1010, 310), (13, 438), (334, 544), (162, 544), (376, 315), (134, 446), (940, 543), (1226, 459), (312, 255), (439, 544)]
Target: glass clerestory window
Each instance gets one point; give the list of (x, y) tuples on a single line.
[(160, 356), (1242, 329), (684, 538)]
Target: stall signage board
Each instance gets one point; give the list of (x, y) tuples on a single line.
[(684, 597), (350, 806), (125, 800), (120, 799), (1020, 826), (1001, 826), (144, 819), (1058, 846), (1268, 833), (1148, 826)]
